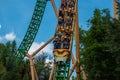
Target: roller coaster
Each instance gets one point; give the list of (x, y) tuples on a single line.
[(67, 25)]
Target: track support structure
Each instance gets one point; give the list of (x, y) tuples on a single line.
[(34, 75), (32, 32), (63, 68), (116, 4), (54, 6), (115, 9), (77, 41)]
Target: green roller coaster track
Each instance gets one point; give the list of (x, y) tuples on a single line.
[(33, 28), (61, 71), (62, 68)]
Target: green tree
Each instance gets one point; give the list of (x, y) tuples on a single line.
[(10, 70), (2, 66), (43, 68), (8, 60), (97, 57), (114, 46)]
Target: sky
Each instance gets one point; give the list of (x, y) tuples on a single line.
[(15, 16)]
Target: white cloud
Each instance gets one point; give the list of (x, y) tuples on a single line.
[(35, 46), (10, 36)]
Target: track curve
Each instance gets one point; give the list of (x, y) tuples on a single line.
[(33, 28)]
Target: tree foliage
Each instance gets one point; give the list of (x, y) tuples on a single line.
[(101, 47), (10, 70)]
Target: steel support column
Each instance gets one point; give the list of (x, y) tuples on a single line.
[(116, 9), (34, 53), (52, 72), (77, 42), (54, 6)]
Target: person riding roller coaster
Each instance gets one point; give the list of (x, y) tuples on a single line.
[(58, 33), (66, 42), (64, 30), (60, 20), (61, 13), (57, 42), (64, 4), (68, 21), (67, 32), (71, 4), (70, 13)]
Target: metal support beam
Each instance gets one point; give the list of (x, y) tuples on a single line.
[(33, 70), (32, 67), (36, 76), (83, 73), (72, 69), (52, 72), (73, 59), (54, 6), (34, 53), (81, 68), (115, 9), (77, 42)]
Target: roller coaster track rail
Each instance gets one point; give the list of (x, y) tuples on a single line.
[(32, 29)]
